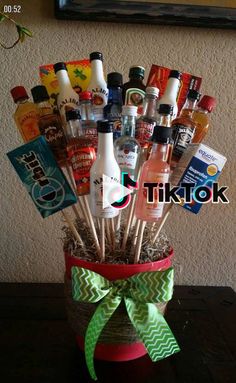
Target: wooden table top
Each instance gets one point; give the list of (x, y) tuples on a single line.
[(38, 346)]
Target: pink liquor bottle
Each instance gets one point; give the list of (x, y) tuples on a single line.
[(155, 170)]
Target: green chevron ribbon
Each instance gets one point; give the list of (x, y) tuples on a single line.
[(139, 292)]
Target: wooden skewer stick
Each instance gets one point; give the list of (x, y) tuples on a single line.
[(128, 224), (73, 228), (136, 232), (113, 234), (91, 222), (107, 229), (118, 222), (75, 210), (102, 239), (139, 241), (162, 222)]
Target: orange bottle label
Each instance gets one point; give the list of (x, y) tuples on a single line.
[(28, 125)]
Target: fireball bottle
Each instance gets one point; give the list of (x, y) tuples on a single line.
[(155, 170), (105, 164), (98, 85), (201, 117), (26, 114), (81, 154)]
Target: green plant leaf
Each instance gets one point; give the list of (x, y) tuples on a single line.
[(26, 31), (2, 17)]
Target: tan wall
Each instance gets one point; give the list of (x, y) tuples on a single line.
[(204, 245)]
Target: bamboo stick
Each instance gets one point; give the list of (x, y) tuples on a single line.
[(139, 241), (72, 227), (135, 236), (161, 224), (91, 222), (128, 224), (113, 234), (102, 239)]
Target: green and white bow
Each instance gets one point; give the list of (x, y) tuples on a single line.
[(139, 292)]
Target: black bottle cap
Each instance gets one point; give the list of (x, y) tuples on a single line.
[(39, 93), (73, 114), (162, 134), (59, 66), (96, 56), (114, 79), (136, 71), (193, 95), (104, 126), (175, 74), (166, 109)]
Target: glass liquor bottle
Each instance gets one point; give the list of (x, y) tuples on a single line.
[(134, 90), (171, 92), (155, 170), (112, 111), (201, 117), (184, 127), (81, 154), (145, 124), (127, 148), (26, 115), (50, 125), (89, 125)]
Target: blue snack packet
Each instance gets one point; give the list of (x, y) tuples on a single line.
[(42, 177)]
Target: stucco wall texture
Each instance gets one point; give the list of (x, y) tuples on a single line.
[(31, 248)]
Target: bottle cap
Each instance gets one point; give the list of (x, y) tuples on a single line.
[(193, 95), (136, 71), (114, 79), (39, 93), (165, 109), (129, 110), (86, 95), (59, 66), (162, 134), (104, 126), (175, 74), (19, 93), (96, 56), (73, 114), (208, 103), (152, 90)]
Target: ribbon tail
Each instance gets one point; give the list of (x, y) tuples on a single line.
[(152, 329), (98, 321)]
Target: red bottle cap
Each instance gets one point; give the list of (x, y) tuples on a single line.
[(19, 93), (86, 95), (208, 103)]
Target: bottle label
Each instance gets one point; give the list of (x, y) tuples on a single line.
[(127, 159), (81, 160), (51, 129), (99, 97), (96, 199), (29, 125), (144, 131), (135, 96), (182, 138), (154, 211), (91, 133), (67, 104)]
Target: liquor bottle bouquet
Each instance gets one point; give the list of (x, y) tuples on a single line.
[(106, 156)]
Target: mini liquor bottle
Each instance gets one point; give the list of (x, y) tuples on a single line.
[(171, 92), (201, 117), (184, 127), (26, 115), (112, 111), (155, 170), (134, 90), (89, 125), (107, 165), (81, 154), (98, 85), (50, 125), (67, 98), (127, 148), (145, 124)]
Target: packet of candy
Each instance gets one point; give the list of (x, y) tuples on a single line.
[(158, 77), (79, 73), (43, 179)]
